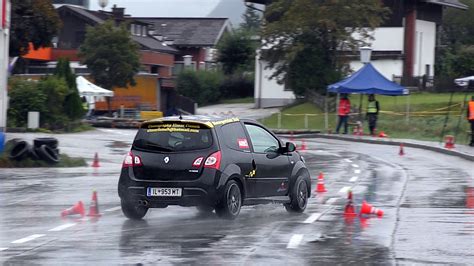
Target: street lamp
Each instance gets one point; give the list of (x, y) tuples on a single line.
[(365, 53)]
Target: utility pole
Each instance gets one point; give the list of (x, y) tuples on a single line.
[(4, 61)]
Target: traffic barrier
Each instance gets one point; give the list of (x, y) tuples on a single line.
[(78, 208), (303, 145), (349, 209), (449, 142), (95, 163), (401, 152), (94, 207), (320, 186), (369, 209)]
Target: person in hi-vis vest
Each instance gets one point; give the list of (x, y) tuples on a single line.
[(343, 112), (372, 113), (470, 117)]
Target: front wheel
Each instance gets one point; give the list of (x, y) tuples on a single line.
[(298, 196), (231, 202), (131, 211)]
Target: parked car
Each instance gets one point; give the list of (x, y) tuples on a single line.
[(213, 163)]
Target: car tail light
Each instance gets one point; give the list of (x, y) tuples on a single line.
[(213, 161), (131, 160), (198, 161)]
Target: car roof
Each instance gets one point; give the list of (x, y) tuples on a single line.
[(209, 120)]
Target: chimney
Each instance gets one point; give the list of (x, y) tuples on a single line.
[(118, 13)]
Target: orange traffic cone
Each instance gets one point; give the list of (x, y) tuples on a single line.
[(96, 160), (94, 207), (349, 209), (320, 186), (449, 141), (78, 208), (303, 145), (382, 134), (401, 152), (369, 209)]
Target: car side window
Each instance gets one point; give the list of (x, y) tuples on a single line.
[(262, 140), (234, 137)]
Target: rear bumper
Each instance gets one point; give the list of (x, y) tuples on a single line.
[(202, 191)]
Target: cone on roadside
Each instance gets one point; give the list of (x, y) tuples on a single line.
[(349, 210), (320, 186), (449, 141), (369, 209), (94, 207), (78, 208), (401, 152), (95, 163), (303, 145), (382, 134)]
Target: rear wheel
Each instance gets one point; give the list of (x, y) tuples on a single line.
[(231, 202), (298, 196), (133, 211)]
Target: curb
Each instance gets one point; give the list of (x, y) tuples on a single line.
[(463, 155)]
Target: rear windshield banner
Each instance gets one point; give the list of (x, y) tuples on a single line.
[(173, 127)]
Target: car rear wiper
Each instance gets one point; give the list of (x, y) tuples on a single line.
[(145, 143)]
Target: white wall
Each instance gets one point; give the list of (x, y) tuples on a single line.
[(385, 39), (424, 47), (269, 93)]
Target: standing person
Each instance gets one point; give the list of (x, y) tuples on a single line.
[(372, 113), (470, 117), (343, 112)]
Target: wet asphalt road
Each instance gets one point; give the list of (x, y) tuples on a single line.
[(428, 200)]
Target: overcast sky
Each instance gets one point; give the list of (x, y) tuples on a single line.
[(162, 8)]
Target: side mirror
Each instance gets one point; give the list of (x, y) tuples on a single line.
[(290, 147)]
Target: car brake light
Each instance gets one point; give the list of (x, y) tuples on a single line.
[(131, 160), (213, 161), (198, 161)]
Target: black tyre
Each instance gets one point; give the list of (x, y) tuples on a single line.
[(19, 150), (32, 153), (47, 154), (231, 202), (131, 211), (50, 142), (298, 196)]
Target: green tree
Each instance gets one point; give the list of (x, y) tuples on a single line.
[(72, 104), (298, 31), (111, 55), (236, 52), (32, 21), (202, 86), (463, 62), (55, 89), (251, 20), (458, 25)]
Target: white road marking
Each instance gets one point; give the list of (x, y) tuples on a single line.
[(348, 160), (353, 179), (355, 165), (312, 218), (28, 238), (295, 241), (331, 200), (61, 227), (344, 189), (113, 209), (357, 171), (2, 249)]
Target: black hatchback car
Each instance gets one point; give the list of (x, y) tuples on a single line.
[(213, 163)]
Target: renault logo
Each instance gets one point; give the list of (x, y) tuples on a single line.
[(166, 159)]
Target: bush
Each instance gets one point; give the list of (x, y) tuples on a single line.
[(55, 90), (238, 86), (202, 86), (24, 97)]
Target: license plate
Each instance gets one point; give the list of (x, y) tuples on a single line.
[(163, 192)]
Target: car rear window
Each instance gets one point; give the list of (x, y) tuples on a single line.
[(173, 136)]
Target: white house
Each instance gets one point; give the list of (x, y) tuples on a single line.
[(403, 47)]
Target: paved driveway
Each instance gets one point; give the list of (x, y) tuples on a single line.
[(242, 110)]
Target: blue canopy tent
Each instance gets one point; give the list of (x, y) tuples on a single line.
[(368, 80)]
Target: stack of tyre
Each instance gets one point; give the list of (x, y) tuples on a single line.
[(45, 149)]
